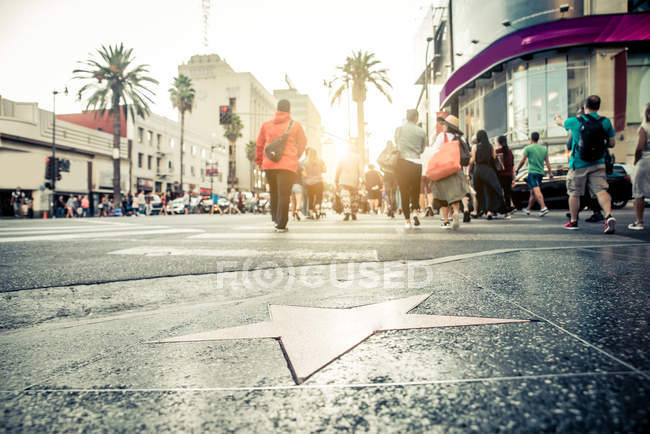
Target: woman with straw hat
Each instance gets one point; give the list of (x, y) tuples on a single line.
[(452, 189)]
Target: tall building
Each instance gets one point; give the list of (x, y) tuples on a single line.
[(217, 84), (509, 66), (304, 111)]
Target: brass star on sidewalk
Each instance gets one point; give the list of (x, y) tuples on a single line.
[(312, 337)]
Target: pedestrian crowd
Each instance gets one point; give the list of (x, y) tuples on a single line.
[(460, 178)]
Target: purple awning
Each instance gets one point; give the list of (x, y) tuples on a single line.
[(593, 29)]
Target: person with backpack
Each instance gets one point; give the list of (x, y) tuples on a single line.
[(314, 168), (410, 140), (286, 141), (505, 162), (536, 155), (592, 135), (451, 190), (374, 185)]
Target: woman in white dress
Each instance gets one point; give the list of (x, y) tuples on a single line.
[(452, 189), (641, 182)]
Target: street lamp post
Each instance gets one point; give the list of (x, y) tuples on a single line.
[(426, 82), (54, 93)]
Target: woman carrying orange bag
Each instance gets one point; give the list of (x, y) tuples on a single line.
[(449, 182)]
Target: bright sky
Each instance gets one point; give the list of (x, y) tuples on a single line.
[(43, 39)]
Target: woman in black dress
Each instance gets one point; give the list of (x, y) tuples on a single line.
[(486, 182)]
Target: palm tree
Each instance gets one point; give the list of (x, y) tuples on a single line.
[(112, 82), (251, 150), (232, 132), (182, 96), (360, 69)]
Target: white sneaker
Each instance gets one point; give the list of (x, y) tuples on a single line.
[(408, 226), (543, 212)]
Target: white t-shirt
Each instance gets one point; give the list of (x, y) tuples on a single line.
[(440, 139)]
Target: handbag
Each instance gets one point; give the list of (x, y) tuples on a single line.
[(609, 162), (387, 160), (446, 161), (498, 163), (275, 149)]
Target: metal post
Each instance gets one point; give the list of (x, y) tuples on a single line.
[(54, 92), (426, 84)]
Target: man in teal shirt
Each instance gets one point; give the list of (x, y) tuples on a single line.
[(536, 155), (583, 172)]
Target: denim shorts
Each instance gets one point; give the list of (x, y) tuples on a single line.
[(534, 180)]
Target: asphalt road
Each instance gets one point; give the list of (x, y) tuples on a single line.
[(82, 299)]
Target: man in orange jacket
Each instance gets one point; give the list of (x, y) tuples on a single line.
[(280, 175)]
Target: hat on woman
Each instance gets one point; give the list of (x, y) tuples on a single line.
[(452, 123)]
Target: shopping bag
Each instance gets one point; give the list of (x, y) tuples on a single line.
[(445, 162)]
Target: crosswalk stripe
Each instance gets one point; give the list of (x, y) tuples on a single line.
[(357, 255), (441, 235), (93, 235), (76, 229)]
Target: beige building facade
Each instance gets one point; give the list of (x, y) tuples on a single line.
[(156, 159), (216, 83), (304, 111), (26, 142)]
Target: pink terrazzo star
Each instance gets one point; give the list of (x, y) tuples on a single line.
[(313, 337)]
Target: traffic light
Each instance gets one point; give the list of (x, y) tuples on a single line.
[(225, 114), (57, 168), (49, 167)]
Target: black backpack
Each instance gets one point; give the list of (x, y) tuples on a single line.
[(593, 139), (465, 151)]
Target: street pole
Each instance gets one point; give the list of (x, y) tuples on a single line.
[(54, 92), (426, 84)]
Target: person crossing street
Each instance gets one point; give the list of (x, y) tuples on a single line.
[(281, 174)]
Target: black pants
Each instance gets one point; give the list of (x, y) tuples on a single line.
[(408, 179), (488, 190), (280, 182), (314, 195), (506, 185)]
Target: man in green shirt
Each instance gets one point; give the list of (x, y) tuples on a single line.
[(536, 155)]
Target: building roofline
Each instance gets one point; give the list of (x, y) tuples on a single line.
[(587, 30)]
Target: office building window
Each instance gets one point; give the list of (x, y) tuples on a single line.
[(159, 140), (203, 153), (140, 134), (194, 150), (172, 142), (149, 161), (192, 170), (150, 137), (169, 164), (140, 159), (158, 159)]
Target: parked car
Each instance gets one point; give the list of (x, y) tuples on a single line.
[(156, 204), (177, 206), (555, 192)]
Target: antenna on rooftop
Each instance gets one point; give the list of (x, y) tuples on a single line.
[(205, 12)]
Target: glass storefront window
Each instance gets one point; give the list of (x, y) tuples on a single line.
[(518, 106), (556, 94), (535, 91), (638, 86)]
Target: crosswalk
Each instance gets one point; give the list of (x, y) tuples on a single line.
[(85, 230)]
